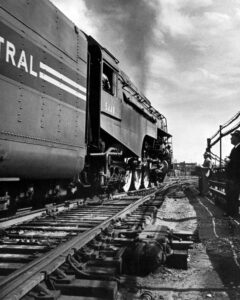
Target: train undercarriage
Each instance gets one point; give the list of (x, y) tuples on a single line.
[(108, 171), (111, 169)]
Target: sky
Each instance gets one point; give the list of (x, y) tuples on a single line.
[(184, 55)]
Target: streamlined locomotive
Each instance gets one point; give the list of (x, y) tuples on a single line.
[(69, 117)]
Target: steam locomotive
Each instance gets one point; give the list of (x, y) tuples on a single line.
[(70, 118)]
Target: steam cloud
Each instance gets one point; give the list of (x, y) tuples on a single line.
[(126, 28)]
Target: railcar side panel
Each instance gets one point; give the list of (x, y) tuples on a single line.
[(43, 92), (38, 161), (45, 19)]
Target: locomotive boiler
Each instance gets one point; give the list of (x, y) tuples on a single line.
[(70, 118)]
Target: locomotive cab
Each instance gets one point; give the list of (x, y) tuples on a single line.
[(120, 121), (103, 93), (102, 101)]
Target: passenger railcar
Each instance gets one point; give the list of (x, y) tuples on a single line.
[(69, 117)]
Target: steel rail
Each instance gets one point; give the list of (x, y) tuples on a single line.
[(17, 284), (26, 216)]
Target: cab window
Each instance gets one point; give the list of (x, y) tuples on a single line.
[(108, 80)]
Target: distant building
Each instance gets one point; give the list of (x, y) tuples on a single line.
[(184, 168)]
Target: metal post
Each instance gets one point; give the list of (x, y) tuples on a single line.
[(220, 132), (208, 145)]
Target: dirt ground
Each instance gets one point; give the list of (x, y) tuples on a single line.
[(214, 260)]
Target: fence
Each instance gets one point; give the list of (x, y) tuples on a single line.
[(217, 182)]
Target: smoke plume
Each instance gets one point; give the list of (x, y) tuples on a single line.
[(126, 29)]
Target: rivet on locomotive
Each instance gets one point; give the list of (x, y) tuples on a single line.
[(70, 118)]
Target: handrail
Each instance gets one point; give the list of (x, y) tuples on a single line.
[(222, 134), (215, 156), (227, 124), (217, 137)]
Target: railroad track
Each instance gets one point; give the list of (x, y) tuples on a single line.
[(74, 251)]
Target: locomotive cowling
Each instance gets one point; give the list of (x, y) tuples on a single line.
[(68, 113)]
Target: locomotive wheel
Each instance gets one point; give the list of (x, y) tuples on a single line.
[(127, 180), (137, 179), (145, 178)]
